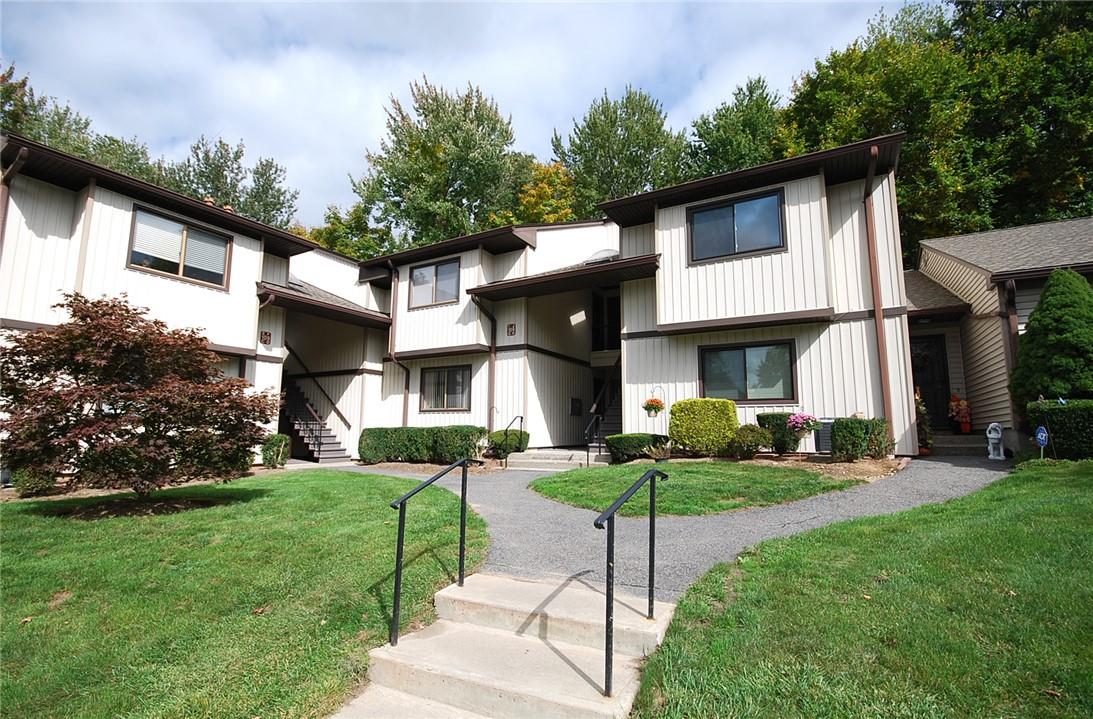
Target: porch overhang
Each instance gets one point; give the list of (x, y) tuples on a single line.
[(299, 301), (582, 277), (928, 301)]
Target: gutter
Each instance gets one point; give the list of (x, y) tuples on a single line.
[(391, 345), (491, 374), (874, 279)]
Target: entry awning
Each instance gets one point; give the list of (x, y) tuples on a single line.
[(928, 299), (580, 277), (300, 296)]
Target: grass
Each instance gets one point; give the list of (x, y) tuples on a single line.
[(262, 602), (691, 487), (979, 607)]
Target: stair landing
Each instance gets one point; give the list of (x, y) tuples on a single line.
[(508, 647), (557, 459)]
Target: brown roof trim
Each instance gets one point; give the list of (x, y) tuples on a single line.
[(573, 278), (234, 351), (496, 240), (1039, 272), (839, 165), (289, 299), (822, 314), (440, 352), (71, 172), (964, 263), (950, 311)]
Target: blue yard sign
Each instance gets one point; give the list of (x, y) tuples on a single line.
[(1041, 436)]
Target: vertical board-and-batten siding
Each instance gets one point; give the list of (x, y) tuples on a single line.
[(449, 325), (783, 281), (41, 250), (983, 336), (552, 383)]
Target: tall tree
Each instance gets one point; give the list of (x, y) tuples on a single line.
[(904, 75), (352, 233), (445, 166), (548, 197), (744, 132), (620, 147)]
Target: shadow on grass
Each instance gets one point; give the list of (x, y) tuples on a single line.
[(130, 505), (383, 593)]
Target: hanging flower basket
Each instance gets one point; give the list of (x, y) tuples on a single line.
[(803, 424), (653, 406)]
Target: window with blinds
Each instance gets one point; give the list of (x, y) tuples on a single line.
[(165, 245), (446, 389)]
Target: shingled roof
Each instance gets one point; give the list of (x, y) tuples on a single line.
[(1025, 251), (926, 297)]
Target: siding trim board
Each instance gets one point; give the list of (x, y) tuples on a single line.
[(438, 352), (823, 314), (544, 351)]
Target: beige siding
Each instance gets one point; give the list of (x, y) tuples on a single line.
[(983, 337), (335, 274), (225, 317), (512, 312), (756, 285), (41, 250), (568, 246), (551, 384), (639, 307), (904, 430), (837, 374), (889, 247), (274, 269), (479, 413), (507, 266), (511, 379), (450, 325), (637, 240), (561, 323)]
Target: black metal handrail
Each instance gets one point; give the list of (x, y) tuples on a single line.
[(308, 373), (591, 432), (608, 516), (506, 430), (400, 505), (310, 429)]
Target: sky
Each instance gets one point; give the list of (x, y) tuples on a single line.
[(308, 84)]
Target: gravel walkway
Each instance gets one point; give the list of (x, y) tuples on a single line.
[(533, 536)]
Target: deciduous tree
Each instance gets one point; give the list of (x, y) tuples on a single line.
[(548, 197), (742, 133), (119, 400)]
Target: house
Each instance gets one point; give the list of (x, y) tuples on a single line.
[(779, 286), (968, 302)]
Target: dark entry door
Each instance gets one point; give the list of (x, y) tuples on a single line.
[(930, 369)]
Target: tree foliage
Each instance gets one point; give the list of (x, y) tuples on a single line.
[(213, 169), (745, 132), (548, 197), (619, 148), (444, 168), (119, 400), (1055, 355)]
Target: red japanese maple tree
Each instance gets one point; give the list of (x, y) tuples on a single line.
[(115, 399)]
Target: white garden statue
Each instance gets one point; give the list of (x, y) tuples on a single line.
[(994, 441)]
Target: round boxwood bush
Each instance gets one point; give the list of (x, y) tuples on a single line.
[(703, 427), (31, 482), (749, 439), (783, 439), (503, 443), (275, 450)]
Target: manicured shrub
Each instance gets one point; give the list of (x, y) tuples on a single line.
[(627, 447), (749, 439), (783, 439), (503, 443), (440, 445), (850, 438), (1055, 355), (703, 426), (877, 443), (31, 482), (1069, 427), (275, 450)]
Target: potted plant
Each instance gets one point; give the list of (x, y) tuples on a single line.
[(653, 406), (960, 412), (922, 421), (659, 452), (803, 424)]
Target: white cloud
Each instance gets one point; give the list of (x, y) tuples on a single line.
[(308, 84)]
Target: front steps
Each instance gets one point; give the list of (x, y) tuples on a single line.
[(557, 460), (508, 647), (959, 445)]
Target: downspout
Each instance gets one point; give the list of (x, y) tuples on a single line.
[(874, 278), (8, 175), (1009, 298), (493, 360), (391, 346)]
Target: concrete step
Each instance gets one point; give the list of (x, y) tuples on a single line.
[(547, 453), (549, 465), (966, 445), (569, 612), (378, 702), (501, 674)]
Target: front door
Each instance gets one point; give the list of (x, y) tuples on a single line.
[(930, 369)]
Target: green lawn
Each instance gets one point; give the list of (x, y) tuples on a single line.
[(691, 487), (261, 604), (980, 607)]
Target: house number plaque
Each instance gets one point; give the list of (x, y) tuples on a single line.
[(265, 337)]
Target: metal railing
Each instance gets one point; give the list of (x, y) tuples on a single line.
[(508, 450), (308, 374), (400, 505), (608, 517), (306, 421), (591, 435)]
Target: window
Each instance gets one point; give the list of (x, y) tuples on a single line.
[(446, 389), (232, 366), (434, 284), (744, 226), (749, 373), (164, 245)]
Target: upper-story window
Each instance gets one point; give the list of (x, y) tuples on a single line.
[(757, 373), (162, 244), (743, 226), (436, 284)]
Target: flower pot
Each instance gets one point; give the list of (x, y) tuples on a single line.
[(802, 433), (652, 412), (924, 451), (965, 427)]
